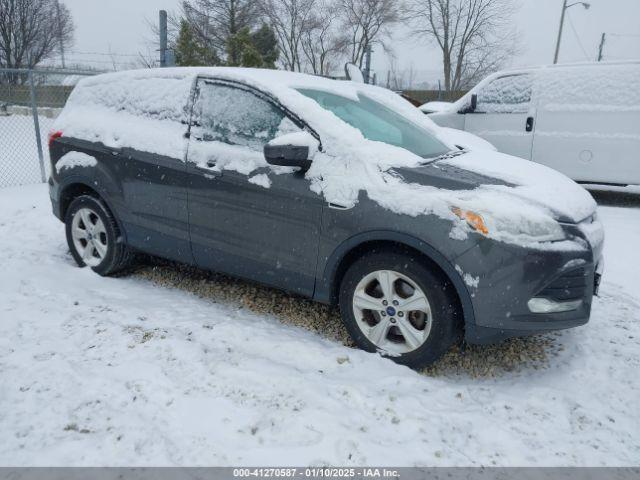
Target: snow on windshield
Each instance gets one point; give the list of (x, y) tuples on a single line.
[(378, 123)]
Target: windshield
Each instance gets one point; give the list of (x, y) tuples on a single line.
[(379, 123)]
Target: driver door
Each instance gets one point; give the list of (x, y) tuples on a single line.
[(246, 218), (505, 115)]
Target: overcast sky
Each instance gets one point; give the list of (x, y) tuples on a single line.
[(119, 26)]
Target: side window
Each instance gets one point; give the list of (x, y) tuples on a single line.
[(510, 94), (235, 116)]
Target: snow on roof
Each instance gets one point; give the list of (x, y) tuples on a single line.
[(162, 95), (576, 86)]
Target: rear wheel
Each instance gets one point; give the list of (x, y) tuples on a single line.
[(394, 303), (93, 236)]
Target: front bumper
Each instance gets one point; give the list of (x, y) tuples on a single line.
[(510, 276)]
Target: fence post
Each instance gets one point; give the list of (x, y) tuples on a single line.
[(36, 124)]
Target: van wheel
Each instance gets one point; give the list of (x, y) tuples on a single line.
[(94, 238), (393, 303)]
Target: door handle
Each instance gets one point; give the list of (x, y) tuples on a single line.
[(529, 124), (115, 151)]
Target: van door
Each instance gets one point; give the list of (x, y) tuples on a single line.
[(588, 124), (505, 114), (246, 218)]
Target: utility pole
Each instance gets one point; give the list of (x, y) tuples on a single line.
[(163, 38), (60, 39), (601, 47), (564, 9), (367, 65)]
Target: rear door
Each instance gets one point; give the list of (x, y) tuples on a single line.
[(505, 114), (247, 218), (154, 190)]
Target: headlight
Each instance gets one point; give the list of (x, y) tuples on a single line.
[(513, 225), (474, 219)]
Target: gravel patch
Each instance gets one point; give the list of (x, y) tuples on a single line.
[(475, 361)]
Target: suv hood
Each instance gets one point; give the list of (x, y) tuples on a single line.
[(529, 181)]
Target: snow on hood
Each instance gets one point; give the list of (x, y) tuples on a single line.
[(145, 110), (536, 183), (435, 106)]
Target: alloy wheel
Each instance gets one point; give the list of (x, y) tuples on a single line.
[(392, 311), (89, 236)]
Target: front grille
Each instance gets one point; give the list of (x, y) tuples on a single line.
[(570, 285)]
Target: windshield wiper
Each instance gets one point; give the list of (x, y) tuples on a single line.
[(444, 156)]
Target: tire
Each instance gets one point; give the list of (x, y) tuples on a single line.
[(94, 238), (405, 328)]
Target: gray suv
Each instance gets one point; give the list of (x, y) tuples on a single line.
[(336, 191)]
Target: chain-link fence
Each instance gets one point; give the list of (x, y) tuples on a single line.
[(30, 100)]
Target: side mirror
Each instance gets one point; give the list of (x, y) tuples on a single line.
[(472, 106), (291, 150), (353, 73)]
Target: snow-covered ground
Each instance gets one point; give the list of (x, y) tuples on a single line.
[(120, 371)]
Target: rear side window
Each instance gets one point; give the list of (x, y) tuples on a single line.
[(236, 116), (508, 94)]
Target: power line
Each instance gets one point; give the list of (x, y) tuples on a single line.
[(113, 54), (107, 62), (575, 32), (624, 34)]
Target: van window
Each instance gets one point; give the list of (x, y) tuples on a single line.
[(509, 94), (235, 116)]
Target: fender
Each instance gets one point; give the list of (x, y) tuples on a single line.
[(324, 285), (99, 182)]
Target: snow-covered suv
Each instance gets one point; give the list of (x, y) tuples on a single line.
[(338, 191)]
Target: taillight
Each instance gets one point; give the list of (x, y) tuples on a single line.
[(53, 136)]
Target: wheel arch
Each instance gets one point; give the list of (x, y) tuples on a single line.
[(327, 287), (76, 187)]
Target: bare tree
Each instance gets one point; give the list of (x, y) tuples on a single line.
[(147, 60), (368, 22), (395, 76), (475, 36), (323, 42), (32, 31), (290, 19)]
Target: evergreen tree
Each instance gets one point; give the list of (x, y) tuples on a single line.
[(266, 44), (257, 49), (189, 53), (240, 50)]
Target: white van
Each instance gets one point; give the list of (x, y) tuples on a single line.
[(580, 119)]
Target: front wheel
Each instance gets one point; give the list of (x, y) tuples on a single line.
[(396, 304), (93, 236)]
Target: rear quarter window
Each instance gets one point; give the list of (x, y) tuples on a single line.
[(159, 98)]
